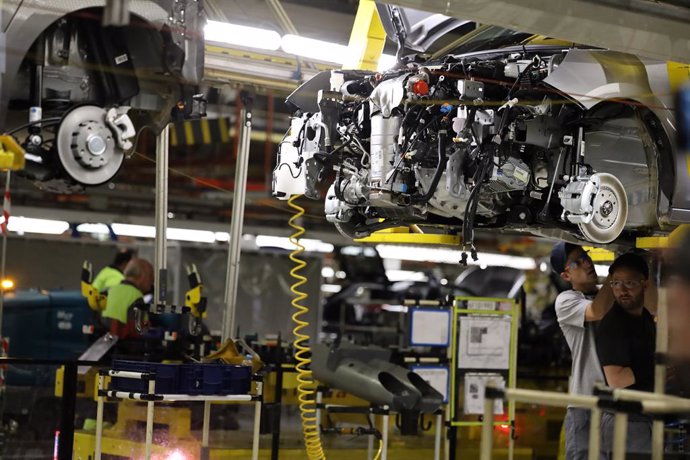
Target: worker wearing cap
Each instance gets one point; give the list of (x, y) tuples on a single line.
[(113, 274), (577, 310)]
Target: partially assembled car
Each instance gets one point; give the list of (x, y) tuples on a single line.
[(499, 130), (80, 79)]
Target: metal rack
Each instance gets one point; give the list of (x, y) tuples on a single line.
[(150, 397), (513, 314)]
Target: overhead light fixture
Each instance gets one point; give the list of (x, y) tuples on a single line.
[(222, 237), (195, 236), (453, 256), (259, 38), (99, 229), (235, 34), (264, 241), (137, 231), (21, 225), (331, 288), (405, 275), (314, 49), (386, 61)]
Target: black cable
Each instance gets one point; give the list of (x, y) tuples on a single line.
[(49, 121)]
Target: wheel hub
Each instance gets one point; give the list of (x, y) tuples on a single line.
[(92, 144), (610, 211), (86, 146)]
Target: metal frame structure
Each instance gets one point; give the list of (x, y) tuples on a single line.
[(514, 314), (151, 398)]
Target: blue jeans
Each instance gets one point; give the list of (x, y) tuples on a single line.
[(639, 434), (577, 434)]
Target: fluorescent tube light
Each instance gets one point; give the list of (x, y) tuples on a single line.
[(235, 34), (21, 225), (452, 256), (99, 229), (195, 236), (405, 275), (263, 241), (331, 288), (386, 61), (137, 231), (314, 49), (223, 237)]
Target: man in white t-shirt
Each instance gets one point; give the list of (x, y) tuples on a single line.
[(577, 310)]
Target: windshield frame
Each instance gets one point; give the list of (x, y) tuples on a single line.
[(477, 41)]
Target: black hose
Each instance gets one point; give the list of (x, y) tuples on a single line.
[(46, 121), (473, 201), (442, 162)]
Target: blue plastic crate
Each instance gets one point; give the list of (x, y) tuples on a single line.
[(214, 379), (167, 377), (237, 380), (190, 379)]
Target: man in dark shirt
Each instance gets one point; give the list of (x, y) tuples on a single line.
[(626, 340)]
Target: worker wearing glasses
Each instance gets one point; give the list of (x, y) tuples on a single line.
[(577, 310), (626, 343)]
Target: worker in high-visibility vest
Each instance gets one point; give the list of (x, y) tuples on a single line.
[(138, 280), (113, 275)]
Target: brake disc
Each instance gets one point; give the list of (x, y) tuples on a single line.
[(610, 211), (86, 146)]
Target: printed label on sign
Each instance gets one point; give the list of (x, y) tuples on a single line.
[(481, 305)]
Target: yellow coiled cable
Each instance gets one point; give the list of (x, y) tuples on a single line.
[(305, 380), (378, 452)]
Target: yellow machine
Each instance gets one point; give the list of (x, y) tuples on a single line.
[(95, 299), (11, 154)]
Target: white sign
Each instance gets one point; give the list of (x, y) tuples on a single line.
[(474, 392), (430, 327), (436, 376), (484, 342)]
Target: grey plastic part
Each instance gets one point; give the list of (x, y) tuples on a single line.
[(367, 373)]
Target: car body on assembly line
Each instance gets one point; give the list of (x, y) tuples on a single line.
[(500, 129), (80, 78)]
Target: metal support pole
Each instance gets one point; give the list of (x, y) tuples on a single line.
[(437, 438), (277, 402), (205, 454), (384, 435), (660, 372), (160, 256), (149, 420), (620, 432), (594, 435), (487, 442), (319, 400), (370, 447), (69, 403), (451, 437), (3, 260), (99, 418), (257, 420), (238, 198)]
